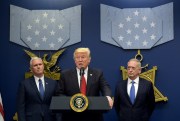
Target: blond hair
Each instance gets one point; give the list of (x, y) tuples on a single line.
[(82, 49)]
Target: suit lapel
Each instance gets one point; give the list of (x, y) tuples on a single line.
[(46, 84), (34, 86), (140, 89), (74, 80), (125, 92), (89, 80)]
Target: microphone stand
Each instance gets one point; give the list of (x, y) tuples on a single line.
[(81, 75)]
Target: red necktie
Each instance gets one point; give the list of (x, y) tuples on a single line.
[(83, 85)]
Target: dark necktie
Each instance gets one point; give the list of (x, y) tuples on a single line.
[(83, 85), (132, 92), (41, 89)]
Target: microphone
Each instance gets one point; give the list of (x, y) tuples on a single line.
[(81, 71)]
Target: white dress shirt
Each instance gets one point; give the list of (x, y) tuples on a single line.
[(136, 85), (37, 81), (85, 75)]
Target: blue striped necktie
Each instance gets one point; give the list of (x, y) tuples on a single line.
[(132, 92), (41, 89)]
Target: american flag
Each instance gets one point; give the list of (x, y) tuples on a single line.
[(1, 109), (137, 28)]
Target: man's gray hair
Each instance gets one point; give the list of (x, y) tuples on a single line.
[(136, 60), (34, 58)]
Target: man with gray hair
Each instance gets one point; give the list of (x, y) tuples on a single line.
[(134, 98), (35, 93)]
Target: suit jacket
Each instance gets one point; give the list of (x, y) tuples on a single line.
[(30, 105), (96, 86), (143, 106)]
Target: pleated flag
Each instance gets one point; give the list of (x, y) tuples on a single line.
[(1, 110)]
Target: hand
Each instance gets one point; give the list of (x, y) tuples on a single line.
[(110, 101)]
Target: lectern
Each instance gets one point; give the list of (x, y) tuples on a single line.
[(62, 104)]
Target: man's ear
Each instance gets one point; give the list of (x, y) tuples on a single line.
[(140, 70), (30, 69), (89, 59)]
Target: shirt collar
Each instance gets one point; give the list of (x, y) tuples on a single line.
[(85, 70), (37, 78), (135, 80)]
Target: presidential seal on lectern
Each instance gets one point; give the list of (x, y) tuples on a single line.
[(79, 102)]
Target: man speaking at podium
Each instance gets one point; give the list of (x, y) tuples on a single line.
[(87, 81)]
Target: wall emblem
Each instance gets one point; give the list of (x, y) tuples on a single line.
[(50, 68), (148, 75)]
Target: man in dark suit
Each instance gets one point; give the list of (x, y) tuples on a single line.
[(134, 98), (96, 85), (34, 95)]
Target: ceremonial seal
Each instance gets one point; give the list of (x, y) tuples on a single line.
[(79, 102)]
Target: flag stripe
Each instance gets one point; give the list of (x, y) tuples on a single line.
[(1, 110)]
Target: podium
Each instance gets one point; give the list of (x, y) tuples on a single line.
[(62, 104)]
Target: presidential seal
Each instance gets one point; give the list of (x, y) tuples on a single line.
[(79, 102)]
